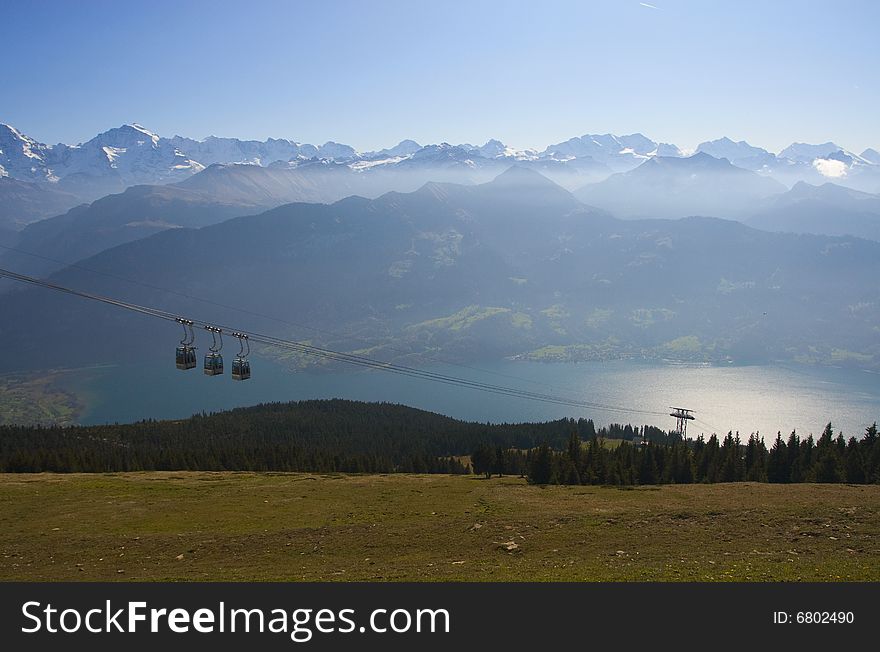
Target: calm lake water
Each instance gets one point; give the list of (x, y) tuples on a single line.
[(763, 398)]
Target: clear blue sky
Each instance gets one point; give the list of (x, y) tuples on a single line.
[(372, 73)]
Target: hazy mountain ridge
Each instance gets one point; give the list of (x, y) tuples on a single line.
[(739, 153), (138, 212), (676, 187), (24, 202), (515, 267), (828, 209)]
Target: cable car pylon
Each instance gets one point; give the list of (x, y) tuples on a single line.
[(681, 416)]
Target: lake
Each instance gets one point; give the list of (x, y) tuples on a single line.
[(763, 398)]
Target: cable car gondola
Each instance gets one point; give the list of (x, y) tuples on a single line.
[(241, 366), (213, 359), (185, 356), (362, 361)]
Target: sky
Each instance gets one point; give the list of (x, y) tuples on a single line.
[(371, 73)]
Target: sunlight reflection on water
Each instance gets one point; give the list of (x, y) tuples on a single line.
[(763, 398)]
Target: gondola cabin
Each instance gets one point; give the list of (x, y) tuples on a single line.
[(186, 357), (241, 369), (213, 364)]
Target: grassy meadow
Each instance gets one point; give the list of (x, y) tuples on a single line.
[(306, 527)]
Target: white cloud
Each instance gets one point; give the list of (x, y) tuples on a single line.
[(828, 167), (645, 4)]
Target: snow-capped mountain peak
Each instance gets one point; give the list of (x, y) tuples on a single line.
[(334, 151), (109, 162), (733, 151), (620, 153), (493, 149), (806, 152), (10, 137), (133, 154), (668, 149), (129, 135), (21, 156), (403, 148)]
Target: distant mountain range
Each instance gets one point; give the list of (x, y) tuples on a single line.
[(24, 202), (181, 183), (662, 187), (131, 154), (827, 209), (136, 213), (516, 267), (109, 162), (675, 187)]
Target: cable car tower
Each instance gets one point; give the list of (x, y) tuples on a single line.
[(681, 416)]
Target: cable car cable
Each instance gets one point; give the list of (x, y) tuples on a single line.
[(344, 357), (337, 355), (184, 295)]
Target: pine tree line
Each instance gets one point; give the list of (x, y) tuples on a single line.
[(356, 437), (314, 436), (828, 459)]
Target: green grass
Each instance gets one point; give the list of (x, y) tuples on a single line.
[(521, 320), (569, 352), (556, 311), (689, 344), (247, 526), (598, 317), (37, 398), (645, 317), (462, 320)]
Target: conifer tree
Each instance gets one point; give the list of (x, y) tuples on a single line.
[(827, 465), (854, 466), (777, 463), (542, 471)]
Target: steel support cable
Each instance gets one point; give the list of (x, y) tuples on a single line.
[(278, 319), (339, 356), (449, 380), (348, 357), (706, 425), (335, 355), (153, 312)]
